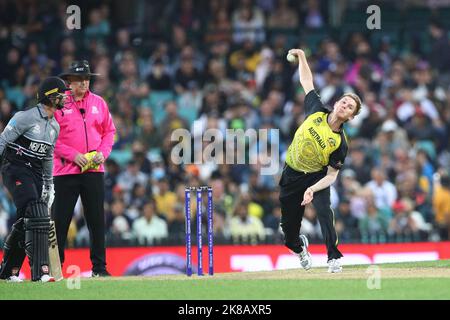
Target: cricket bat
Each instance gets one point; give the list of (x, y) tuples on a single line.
[(53, 254)]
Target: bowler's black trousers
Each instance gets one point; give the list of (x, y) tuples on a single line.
[(293, 185), (90, 187)]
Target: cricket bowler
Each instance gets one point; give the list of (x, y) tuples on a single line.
[(313, 161)]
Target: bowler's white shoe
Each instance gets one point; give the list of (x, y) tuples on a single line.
[(14, 279), (305, 256), (47, 278), (334, 266)]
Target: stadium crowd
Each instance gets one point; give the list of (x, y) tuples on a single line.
[(225, 68)]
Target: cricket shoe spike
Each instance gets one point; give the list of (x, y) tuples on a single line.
[(334, 266), (47, 278), (14, 279), (305, 256)]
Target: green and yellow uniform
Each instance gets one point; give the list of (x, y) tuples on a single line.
[(314, 147)]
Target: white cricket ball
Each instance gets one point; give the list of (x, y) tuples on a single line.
[(291, 58)]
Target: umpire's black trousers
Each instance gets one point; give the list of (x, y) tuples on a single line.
[(293, 185), (90, 187)]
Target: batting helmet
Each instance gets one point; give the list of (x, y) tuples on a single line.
[(51, 88)]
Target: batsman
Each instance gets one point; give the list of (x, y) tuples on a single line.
[(26, 146)]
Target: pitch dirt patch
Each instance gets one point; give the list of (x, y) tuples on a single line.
[(299, 274), (360, 273)]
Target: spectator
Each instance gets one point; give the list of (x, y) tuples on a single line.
[(112, 171), (244, 227), (34, 56), (139, 196), (272, 220), (122, 44), (172, 120), (158, 167), (187, 74), (131, 88), (420, 128), (219, 27), (402, 223), (313, 17), (140, 157), (177, 227), (425, 171), (373, 224), (360, 165), (440, 52), (346, 224), (248, 23), (11, 66), (413, 104), (310, 224), (147, 132), (187, 15), (165, 200), (389, 139), (384, 192), (117, 221), (244, 61), (349, 184), (129, 178), (98, 28), (150, 228), (159, 79), (441, 206), (125, 135), (283, 16)]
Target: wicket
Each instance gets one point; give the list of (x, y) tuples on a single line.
[(199, 215)]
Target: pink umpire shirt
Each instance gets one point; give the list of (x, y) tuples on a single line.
[(86, 125)]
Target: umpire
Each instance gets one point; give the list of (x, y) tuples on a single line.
[(27, 146), (86, 126)]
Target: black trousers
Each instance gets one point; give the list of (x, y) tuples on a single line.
[(293, 185), (90, 187), (25, 186)]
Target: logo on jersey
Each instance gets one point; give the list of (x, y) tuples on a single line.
[(38, 147), (11, 124), (317, 137), (332, 142), (36, 129), (318, 121), (18, 183), (94, 110)]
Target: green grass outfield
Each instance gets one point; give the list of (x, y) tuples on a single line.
[(418, 280)]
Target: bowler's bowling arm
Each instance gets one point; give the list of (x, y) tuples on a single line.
[(305, 74)]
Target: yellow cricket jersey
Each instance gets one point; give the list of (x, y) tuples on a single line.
[(315, 145)]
